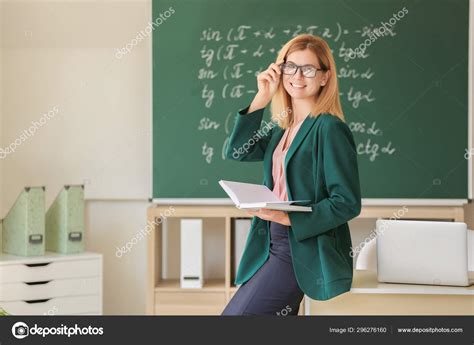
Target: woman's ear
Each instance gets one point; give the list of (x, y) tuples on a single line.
[(325, 77)]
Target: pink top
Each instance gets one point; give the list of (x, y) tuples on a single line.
[(279, 180)]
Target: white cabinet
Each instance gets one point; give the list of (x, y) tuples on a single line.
[(52, 284)]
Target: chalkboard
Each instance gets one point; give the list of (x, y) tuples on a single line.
[(405, 97)]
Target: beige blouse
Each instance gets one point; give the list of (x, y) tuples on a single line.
[(279, 181)]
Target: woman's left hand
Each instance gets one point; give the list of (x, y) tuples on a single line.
[(272, 215)]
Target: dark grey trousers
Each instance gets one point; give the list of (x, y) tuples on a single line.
[(273, 289)]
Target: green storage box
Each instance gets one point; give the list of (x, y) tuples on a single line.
[(65, 221), (23, 227)]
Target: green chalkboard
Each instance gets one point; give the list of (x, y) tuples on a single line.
[(405, 97)]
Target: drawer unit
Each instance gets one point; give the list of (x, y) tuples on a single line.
[(53, 284), (49, 289), (48, 270), (72, 305)]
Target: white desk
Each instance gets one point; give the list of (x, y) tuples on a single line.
[(369, 297)]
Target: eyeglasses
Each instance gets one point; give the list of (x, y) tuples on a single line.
[(308, 71)]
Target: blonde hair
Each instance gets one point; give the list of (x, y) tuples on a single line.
[(328, 97)]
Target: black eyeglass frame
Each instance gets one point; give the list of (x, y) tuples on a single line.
[(298, 67)]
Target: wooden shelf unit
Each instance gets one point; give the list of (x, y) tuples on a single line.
[(166, 297), (173, 285)]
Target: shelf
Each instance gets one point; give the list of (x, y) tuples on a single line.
[(166, 297), (173, 285), (454, 212), (189, 211)]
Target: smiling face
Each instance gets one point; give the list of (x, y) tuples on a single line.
[(297, 85), (306, 95)]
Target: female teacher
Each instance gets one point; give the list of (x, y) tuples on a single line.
[(309, 154)]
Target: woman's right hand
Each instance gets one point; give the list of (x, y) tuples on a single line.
[(267, 82)]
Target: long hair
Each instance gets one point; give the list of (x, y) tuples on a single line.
[(328, 96)]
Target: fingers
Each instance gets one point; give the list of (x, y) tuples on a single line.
[(274, 71), (276, 68), (271, 74), (268, 211), (253, 212), (265, 76), (265, 214), (274, 75)]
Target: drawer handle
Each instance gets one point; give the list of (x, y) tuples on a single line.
[(38, 283), (37, 301), (38, 265)]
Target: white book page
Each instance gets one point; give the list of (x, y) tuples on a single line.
[(248, 193)]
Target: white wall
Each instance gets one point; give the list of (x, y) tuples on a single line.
[(62, 53), (111, 224)]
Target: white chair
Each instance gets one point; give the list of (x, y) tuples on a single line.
[(367, 258)]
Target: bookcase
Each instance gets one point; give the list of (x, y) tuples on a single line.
[(166, 297)]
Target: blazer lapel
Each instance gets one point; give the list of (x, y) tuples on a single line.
[(275, 140), (308, 122)]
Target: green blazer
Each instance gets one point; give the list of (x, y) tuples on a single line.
[(321, 166)]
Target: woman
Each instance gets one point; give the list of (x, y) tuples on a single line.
[(309, 155)]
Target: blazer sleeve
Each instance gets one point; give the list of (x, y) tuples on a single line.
[(247, 141), (341, 176)]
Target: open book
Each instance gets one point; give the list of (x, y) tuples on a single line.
[(255, 196)]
